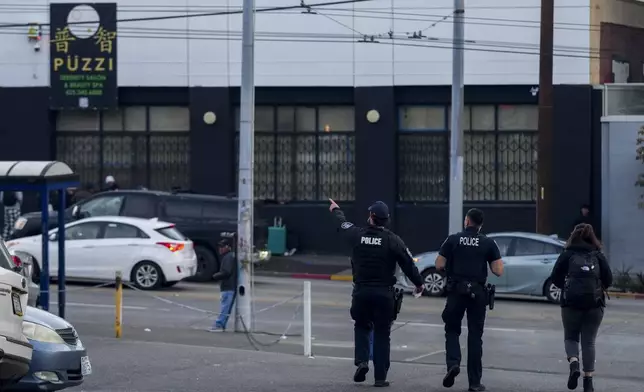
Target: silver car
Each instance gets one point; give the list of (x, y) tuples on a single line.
[(528, 259)]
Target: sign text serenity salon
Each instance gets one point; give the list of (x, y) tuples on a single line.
[(83, 48)]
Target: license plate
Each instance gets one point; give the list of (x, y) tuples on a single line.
[(86, 366), (17, 306)]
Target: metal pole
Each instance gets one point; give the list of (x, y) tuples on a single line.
[(246, 165), (44, 271), (456, 131), (62, 287), (546, 131), (307, 337)]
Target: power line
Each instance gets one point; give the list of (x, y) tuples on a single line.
[(197, 15), (402, 41), (500, 22)]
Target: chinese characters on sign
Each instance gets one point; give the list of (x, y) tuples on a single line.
[(83, 70)]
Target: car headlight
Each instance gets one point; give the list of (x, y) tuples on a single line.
[(40, 333), (20, 223), (415, 259)]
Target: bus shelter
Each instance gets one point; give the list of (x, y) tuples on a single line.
[(44, 177)]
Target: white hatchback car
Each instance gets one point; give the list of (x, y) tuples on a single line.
[(15, 350), (149, 253)]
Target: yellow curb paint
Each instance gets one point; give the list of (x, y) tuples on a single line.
[(343, 278)]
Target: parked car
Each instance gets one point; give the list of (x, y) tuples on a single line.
[(202, 218), (15, 349), (150, 253), (59, 358), (24, 263), (528, 259)]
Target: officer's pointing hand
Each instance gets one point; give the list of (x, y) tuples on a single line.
[(333, 205)]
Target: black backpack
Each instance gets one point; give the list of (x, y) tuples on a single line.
[(9, 199), (583, 288)]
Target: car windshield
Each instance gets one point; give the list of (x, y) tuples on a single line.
[(5, 257)]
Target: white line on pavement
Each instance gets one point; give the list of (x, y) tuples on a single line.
[(424, 356), (126, 307), (428, 325)]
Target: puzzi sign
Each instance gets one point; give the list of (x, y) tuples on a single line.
[(83, 49)]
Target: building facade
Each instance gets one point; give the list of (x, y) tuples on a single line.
[(319, 71)]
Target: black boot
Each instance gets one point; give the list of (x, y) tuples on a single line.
[(361, 372), (588, 384), (573, 377), (452, 372)]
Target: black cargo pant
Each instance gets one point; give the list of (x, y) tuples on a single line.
[(373, 307), (455, 308)]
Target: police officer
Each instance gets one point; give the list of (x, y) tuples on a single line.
[(465, 257), (375, 252)]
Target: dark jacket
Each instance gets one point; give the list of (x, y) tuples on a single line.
[(227, 274), (560, 270)]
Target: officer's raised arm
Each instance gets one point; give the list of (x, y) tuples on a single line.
[(406, 261), (344, 227), (444, 254), (494, 258)]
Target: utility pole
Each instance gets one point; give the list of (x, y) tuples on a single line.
[(546, 131), (246, 166), (456, 131)]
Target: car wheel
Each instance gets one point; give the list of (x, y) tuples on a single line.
[(146, 275), (207, 265), (434, 283), (552, 292)]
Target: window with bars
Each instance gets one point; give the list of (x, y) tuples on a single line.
[(500, 153), (303, 153), (138, 145)]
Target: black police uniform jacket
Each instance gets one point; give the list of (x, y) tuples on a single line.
[(375, 251), (468, 255)]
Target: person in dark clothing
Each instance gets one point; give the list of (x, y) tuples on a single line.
[(110, 184), (375, 253), (465, 257), (585, 216), (227, 275), (583, 274)]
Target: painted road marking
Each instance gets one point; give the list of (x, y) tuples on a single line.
[(125, 307), (412, 359)]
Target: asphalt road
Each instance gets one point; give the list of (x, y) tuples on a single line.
[(165, 346)]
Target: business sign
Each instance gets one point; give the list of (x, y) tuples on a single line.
[(83, 49)]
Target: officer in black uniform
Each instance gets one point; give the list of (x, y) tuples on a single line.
[(375, 252), (465, 257)]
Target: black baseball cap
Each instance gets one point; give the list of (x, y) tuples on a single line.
[(380, 210), (225, 242)]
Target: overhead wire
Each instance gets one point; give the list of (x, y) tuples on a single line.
[(496, 46)]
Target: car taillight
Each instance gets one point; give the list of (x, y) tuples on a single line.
[(17, 262), (173, 247)]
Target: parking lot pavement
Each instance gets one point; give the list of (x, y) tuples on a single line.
[(163, 367), (521, 336)]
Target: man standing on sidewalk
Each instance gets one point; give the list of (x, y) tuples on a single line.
[(227, 275)]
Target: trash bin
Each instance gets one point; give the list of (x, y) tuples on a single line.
[(277, 237)]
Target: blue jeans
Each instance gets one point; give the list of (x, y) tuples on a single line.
[(227, 299)]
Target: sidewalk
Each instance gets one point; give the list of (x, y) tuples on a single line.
[(307, 266)]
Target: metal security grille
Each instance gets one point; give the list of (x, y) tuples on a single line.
[(500, 153), (139, 146), (303, 153)]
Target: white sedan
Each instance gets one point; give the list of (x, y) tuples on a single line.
[(149, 253)]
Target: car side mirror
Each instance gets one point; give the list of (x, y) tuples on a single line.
[(75, 212), (53, 237)]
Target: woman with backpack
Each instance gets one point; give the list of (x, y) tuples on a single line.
[(583, 274)]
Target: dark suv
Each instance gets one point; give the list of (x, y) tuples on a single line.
[(202, 218)]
